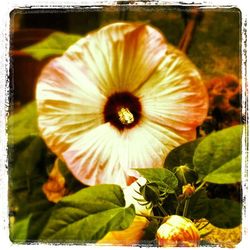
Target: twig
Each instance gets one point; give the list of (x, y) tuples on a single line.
[(189, 30)]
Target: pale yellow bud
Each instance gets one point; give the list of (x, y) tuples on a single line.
[(177, 231)]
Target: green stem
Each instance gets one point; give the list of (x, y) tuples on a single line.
[(162, 210), (178, 204), (200, 187), (177, 208), (186, 205)]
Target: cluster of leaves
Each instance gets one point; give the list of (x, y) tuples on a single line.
[(88, 213), (215, 159)]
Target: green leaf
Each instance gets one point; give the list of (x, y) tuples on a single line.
[(38, 221), (165, 179), (27, 164), (88, 215), (170, 204), (54, 45), (199, 205), (23, 124), (19, 230), (228, 173), (220, 150), (224, 213), (182, 155), (28, 229), (28, 159), (27, 174)]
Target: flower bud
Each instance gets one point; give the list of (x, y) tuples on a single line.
[(185, 175), (55, 187), (188, 190), (177, 231), (151, 193)]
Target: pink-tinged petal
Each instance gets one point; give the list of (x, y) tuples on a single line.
[(68, 104), (147, 145), (189, 135), (175, 96), (94, 157), (106, 155), (120, 56)]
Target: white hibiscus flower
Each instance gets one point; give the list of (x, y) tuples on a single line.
[(119, 98)]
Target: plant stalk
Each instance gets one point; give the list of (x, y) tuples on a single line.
[(189, 30), (200, 187), (150, 216), (186, 205), (162, 210)]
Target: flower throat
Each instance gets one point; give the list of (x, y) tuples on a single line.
[(122, 110)]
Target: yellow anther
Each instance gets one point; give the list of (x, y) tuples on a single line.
[(125, 116)]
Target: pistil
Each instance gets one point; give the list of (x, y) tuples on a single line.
[(122, 110), (125, 116)]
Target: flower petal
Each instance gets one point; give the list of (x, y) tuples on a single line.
[(127, 237), (120, 56), (131, 196), (68, 104), (174, 96), (94, 157), (72, 92), (149, 143)]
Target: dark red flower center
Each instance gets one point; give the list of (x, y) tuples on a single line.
[(122, 110)]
